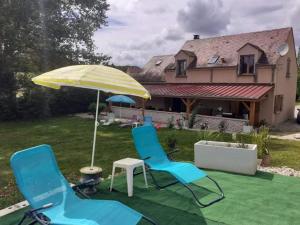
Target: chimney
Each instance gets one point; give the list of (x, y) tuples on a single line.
[(196, 36)]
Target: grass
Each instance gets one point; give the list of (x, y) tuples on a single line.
[(262, 199), (71, 140)]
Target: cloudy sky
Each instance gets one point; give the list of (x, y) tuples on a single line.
[(140, 29)]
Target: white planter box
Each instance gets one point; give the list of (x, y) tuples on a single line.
[(226, 157)]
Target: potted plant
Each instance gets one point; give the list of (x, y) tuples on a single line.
[(226, 156), (170, 123), (223, 125), (262, 139), (171, 142)]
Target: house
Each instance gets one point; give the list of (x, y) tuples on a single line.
[(249, 76)]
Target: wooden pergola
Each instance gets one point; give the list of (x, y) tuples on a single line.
[(247, 94), (251, 106)]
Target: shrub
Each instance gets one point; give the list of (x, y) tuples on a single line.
[(192, 119), (171, 141), (223, 125), (170, 123), (32, 100), (33, 104), (245, 138), (180, 124), (8, 110), (92, 108), (263, 140), (69, 100)]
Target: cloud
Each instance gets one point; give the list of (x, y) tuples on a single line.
[(263, 9), (140, 29), (115, 22), (173, 34), (204, 17), (295, 18)]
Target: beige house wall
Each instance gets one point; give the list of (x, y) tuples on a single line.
[(266, 106), (267, 74), (284, 85)]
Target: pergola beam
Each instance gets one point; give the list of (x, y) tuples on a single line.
[(252, 113), (188, 104)]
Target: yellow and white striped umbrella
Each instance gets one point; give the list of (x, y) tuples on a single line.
[(96, 77)]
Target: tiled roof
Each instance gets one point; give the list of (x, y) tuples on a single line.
[(227, 46), (210, 91), (224, 46), (154, 69)]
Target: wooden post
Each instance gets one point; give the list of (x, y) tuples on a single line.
[(252, 113), (188, 104), (110, 106)]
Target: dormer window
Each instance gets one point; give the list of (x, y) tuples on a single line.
[(246, 64), (181, 68)]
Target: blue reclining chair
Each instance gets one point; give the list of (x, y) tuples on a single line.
[(150, 150), (148, 121), (52, 199)]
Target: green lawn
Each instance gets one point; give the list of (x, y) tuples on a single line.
[(71, 139), (262, 199)]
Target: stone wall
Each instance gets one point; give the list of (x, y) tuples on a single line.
[(233, 125)]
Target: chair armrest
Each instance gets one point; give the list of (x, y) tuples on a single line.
[(83, 184), (170, 154), (146, 158), (77, 188), (46, 206), (174, 151)]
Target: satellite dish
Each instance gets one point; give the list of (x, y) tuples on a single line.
[(283, 49)]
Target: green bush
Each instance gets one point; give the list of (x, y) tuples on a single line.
[(171, 141), (214, 136), (32, 100), (92, 107), (263, 141), (33, 104), (170, 123), (8, 107), (244, 138)]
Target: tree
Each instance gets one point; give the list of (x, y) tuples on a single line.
[(40, 35)]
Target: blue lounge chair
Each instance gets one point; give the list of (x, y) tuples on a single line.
[(148, 121), (150, 150), (52, 199)]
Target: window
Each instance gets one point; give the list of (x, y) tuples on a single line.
[(246, 64), (158, 62), (181, 68), (288, 67), (278, 103), (214, 59)]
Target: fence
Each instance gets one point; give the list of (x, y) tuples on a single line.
[(213, 122)]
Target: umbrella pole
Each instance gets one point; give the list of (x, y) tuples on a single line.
[(95, 129), (120, 111)]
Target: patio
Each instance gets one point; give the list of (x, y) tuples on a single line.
[(261, 199)]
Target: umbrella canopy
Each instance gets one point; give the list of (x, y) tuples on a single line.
[(97, 77), (120, 99)]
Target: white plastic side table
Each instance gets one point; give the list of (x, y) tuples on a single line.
[(128, 164)]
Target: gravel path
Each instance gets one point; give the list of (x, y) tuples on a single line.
[(286, 171)]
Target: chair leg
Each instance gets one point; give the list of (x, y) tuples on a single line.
[(22, 220), (203, 205), (112, 178), (159, 186), (145, 176), (149, 220)]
